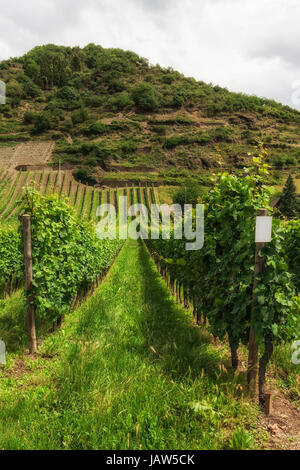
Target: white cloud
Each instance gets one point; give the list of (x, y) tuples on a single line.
[(246, 45)]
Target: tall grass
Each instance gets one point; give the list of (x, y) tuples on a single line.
[(128, 370)]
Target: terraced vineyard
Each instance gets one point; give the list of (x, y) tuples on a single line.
[(6, 155), (26, 155), (84, 198)]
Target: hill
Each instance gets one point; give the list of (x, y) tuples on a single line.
[(110, 117)]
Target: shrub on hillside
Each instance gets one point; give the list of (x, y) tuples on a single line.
[(178, 101), (222, 133), (14, 92), (98, 128), (42, 122), (79, 116), (115, 85), (29, 117), (84, 175), (145, 97), (67, 125), (175, 140), (93, 101), (119, 102), (160, 130), (30, 89), (127, 147), (67, 93)]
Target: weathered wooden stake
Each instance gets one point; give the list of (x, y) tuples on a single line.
[(253, 347), (268, 403), (28, 283)]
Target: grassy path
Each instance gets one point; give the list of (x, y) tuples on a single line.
[(128, 370)]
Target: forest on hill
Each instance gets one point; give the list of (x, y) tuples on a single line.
[(109, 110)]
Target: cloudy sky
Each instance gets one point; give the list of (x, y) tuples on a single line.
[(244, 45)]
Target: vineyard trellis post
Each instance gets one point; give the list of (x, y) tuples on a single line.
[(258, 268), (26, 224)]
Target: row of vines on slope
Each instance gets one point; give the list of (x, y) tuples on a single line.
[(11, 258), (11, 249), (219, 278), (68, 258), (84, 198)]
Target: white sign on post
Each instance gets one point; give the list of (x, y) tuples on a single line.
[(263, 231)]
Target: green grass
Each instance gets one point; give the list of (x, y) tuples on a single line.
[(287, 373), (12, 324), (128, 370)]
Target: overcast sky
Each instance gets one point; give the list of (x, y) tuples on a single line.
[(244, 45)]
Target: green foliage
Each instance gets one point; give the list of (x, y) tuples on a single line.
[(178, 100), (276, 313), (14, 92), (68, 94), (29, 117), (201, 138), (121, 101), (130, 371), (42, 122), (241, 440), (220, 276), (289, 205), (292, 246), (67, 255), (98, 128), (48, 66), (175, 140), (283, 160), (160, 130), (84, 175), (128, 147), (79, 116), (30, 89), (11, 254), (115, 85), (76, 86), (145, 97), (189, 194), (93, 101), (223, 134), (96, 153)]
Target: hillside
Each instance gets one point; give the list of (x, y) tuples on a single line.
[(111, 117)]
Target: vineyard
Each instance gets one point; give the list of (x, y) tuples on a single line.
[(83, 198), (29, 154), (142, 344)]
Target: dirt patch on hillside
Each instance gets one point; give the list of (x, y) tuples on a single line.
[(283, 425)]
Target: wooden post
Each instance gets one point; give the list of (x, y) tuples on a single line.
[(268, 403), (28, 283), (253, 347)]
